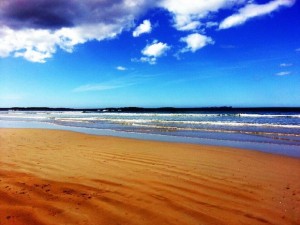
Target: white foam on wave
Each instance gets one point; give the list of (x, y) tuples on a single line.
[(170, 128), (269, 115), (154, 121), (159, 114), (162, 119)]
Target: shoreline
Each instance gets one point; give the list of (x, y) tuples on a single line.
[(62, 177), (272, 148)]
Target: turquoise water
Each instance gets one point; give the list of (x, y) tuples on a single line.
[(269, 132)]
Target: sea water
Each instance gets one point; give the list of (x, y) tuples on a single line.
[(267, 131)]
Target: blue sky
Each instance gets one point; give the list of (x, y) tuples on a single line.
[(180, 53)]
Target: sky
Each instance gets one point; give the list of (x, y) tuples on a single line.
[(149, 53)]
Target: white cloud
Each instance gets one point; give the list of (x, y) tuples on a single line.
[(38, 32), (195, 42), (143, 59), (191, 14), (37, 45), (153, 51), (283, 73), (186, 22), (210, 24), (121, 68), (191, 25), (43, 31), (189, 7), (187, 13), (156, 49), (251, 11), (285, 64), (150, 60), (144, 27), (33, 45)]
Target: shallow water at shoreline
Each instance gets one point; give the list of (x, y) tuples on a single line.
[(282, 149)]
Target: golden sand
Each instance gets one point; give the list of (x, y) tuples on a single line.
[(61, 177)]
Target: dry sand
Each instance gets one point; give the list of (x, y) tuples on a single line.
[(61, 177)]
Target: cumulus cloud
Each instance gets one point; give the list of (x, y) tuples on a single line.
[(195, 42), (251, 11), (153, 51), (156, 49), (35, 29), (283, 73), (144, 27), (37, 45)]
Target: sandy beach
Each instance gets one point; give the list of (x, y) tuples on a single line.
[(61, 177)]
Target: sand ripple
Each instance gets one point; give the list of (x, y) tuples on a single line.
[(58, 177)]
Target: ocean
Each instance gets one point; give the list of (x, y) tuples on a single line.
[(266, 131)]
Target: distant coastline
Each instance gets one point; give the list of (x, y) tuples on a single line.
[(161, 109)]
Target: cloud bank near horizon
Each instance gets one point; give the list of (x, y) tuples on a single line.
[(36, 29)]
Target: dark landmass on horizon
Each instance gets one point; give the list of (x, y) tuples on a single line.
[(161, 109)]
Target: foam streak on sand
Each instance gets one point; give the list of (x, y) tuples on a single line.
[(61, 177)]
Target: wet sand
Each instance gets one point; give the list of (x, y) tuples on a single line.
[(61, 177)]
